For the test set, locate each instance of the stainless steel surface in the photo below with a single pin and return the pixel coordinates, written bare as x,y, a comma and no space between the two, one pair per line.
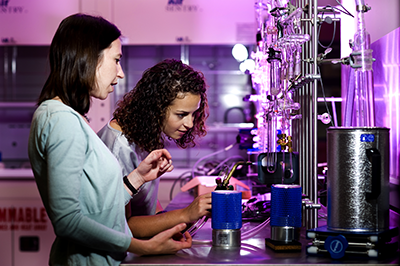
349,180
285,233
251,252
226,238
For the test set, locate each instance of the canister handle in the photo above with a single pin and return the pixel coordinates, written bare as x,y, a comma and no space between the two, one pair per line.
375,158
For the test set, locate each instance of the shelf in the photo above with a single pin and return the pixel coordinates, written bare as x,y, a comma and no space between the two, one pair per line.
17,104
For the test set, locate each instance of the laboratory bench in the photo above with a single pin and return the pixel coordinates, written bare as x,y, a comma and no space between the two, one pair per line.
252,251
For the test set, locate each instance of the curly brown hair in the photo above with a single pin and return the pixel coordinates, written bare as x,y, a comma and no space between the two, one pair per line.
142,111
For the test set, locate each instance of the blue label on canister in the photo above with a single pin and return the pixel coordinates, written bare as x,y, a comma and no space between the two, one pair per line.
226,212
367,138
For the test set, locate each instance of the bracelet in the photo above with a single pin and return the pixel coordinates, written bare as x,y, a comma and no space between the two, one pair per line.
129,185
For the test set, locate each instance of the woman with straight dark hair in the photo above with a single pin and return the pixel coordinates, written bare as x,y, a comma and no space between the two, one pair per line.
79,179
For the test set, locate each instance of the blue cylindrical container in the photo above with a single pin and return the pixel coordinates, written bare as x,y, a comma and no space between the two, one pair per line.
226,218
286,207
226,209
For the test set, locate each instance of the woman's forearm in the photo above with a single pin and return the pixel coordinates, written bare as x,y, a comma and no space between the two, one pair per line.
148,226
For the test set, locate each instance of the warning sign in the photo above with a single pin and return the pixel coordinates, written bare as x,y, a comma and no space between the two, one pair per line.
23,218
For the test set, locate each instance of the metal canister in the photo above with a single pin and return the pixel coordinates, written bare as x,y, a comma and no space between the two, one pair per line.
226,220
358,178
285,212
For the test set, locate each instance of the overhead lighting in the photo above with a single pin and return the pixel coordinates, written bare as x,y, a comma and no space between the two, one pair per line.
239,52
247,66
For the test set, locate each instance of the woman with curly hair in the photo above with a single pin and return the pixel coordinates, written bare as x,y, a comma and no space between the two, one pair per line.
168,102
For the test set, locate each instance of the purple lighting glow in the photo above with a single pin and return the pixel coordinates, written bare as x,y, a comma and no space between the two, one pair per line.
387,93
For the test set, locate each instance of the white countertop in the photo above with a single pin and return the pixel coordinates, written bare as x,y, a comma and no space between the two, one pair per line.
16,173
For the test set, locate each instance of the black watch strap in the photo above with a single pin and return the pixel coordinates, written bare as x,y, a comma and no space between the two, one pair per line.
129,185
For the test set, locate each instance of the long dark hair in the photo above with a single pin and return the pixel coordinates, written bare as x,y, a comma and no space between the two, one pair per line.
142,111
75,51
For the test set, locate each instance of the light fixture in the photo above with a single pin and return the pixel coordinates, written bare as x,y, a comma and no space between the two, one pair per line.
239,52
247,66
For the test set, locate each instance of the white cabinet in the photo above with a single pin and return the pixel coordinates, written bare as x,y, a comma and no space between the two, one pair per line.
26,232
151,22
33,22
171,22
142,22
98,8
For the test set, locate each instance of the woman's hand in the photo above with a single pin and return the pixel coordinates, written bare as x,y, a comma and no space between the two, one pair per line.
167,242
150,225
153,166
200,207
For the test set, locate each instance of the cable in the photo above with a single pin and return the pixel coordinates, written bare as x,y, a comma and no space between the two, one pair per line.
223,162
175,181
334,30
212,154
244,234
345,11
323,94
201,242
197,225
252,232
334,25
